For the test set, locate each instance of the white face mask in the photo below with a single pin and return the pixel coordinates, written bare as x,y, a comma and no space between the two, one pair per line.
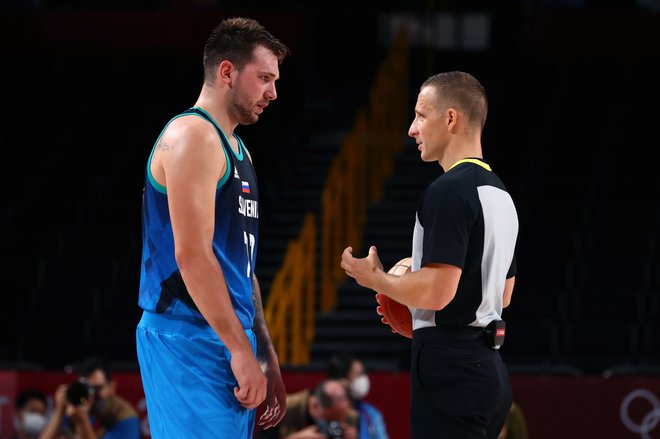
32,423
360,387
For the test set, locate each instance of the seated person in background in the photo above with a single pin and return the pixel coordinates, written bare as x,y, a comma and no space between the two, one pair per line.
351,369
30,418
322,413
104,414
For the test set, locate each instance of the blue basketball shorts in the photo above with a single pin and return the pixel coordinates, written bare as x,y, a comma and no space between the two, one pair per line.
188,382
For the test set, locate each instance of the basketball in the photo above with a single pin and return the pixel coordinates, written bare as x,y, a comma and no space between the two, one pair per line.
394,313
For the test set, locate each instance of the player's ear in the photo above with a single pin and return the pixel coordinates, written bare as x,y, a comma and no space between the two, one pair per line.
223,73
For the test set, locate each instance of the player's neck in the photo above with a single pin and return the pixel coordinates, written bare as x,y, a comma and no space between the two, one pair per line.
210,101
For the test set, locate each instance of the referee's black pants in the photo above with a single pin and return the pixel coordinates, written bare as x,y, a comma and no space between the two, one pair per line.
460,387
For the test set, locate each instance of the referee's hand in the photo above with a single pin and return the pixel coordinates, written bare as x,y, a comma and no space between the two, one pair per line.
365,271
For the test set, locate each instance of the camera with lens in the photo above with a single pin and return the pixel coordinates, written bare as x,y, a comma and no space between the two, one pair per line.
78,392
331,429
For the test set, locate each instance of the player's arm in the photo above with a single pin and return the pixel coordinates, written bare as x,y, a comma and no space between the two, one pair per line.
192,165
265,349
276,394
432,287
508,291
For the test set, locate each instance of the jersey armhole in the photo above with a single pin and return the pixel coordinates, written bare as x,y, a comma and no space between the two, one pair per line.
163,189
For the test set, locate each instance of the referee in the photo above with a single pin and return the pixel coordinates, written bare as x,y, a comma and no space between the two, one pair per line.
463,269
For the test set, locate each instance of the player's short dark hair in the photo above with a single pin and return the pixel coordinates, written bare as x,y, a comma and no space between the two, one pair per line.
26,395
235,39
462,91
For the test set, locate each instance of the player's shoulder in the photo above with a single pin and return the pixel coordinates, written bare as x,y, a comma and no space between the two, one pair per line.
190,129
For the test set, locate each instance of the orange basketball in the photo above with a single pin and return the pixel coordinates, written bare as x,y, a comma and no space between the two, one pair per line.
394,313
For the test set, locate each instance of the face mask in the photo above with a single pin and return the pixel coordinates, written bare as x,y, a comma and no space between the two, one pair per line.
32,423
360,387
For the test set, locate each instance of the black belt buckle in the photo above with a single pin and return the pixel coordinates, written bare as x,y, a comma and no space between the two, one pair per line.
495,332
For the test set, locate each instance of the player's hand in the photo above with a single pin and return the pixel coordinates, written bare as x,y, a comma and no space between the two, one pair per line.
275,397
363,270
251,389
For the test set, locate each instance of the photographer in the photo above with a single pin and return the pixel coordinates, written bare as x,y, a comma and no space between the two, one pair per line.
91,408
322,413
68,418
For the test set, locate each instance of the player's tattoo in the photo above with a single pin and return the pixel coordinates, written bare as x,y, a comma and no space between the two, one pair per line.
164,146
260,329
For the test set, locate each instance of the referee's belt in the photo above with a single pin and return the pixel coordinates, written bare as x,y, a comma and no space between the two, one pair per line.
493,334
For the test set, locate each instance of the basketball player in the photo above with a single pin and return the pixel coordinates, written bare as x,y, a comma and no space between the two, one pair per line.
203,319
463,269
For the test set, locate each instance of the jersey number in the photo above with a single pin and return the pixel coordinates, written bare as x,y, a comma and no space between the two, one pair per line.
249,248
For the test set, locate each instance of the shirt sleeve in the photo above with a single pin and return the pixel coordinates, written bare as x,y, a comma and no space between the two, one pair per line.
447,214
513,270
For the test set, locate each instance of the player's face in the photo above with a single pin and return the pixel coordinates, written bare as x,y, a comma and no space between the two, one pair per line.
254,87
429,128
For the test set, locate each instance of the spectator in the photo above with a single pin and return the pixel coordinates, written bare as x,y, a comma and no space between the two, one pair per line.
31,410
103,414
321,413
371,424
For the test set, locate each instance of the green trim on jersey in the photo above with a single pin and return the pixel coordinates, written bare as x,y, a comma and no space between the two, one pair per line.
239,154
162,189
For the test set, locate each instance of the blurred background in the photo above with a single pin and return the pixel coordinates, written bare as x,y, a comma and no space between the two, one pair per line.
572,128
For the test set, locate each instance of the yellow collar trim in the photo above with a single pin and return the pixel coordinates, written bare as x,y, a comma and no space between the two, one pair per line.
475,161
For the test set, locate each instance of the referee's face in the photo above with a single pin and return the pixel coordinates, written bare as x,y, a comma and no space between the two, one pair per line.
428,128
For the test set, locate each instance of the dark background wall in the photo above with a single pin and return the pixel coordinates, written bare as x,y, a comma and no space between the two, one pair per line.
87,86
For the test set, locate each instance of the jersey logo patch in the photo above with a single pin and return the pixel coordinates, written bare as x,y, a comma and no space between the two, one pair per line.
236,173
245,187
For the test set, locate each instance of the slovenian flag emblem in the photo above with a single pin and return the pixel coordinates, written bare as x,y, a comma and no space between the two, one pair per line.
245,187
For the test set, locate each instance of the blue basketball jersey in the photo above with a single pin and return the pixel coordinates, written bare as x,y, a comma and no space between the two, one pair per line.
162,289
